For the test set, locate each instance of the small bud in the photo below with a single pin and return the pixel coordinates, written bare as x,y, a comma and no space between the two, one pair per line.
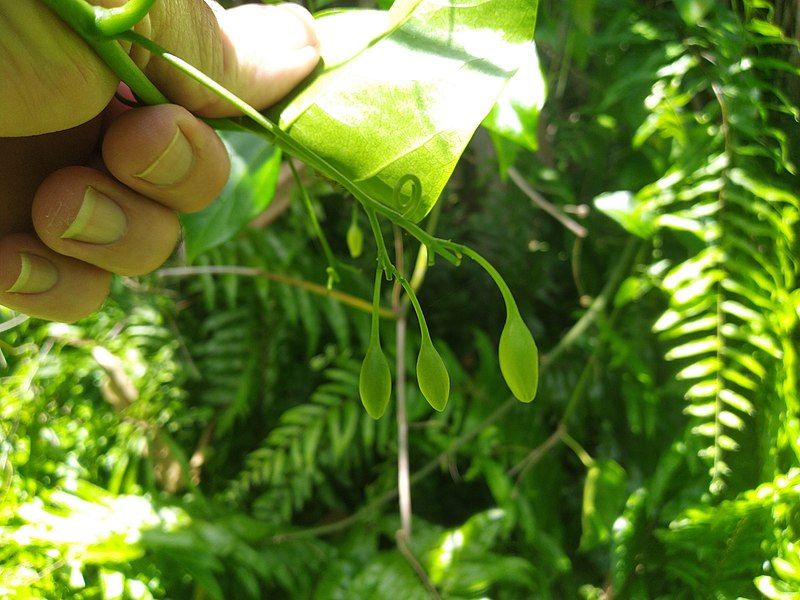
519,358
375,381
355,239
434,382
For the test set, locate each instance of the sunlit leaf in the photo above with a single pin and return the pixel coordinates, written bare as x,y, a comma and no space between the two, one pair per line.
515,116
604,494
626,210
402,92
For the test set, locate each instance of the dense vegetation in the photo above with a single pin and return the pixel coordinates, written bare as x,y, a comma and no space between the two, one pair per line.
201,436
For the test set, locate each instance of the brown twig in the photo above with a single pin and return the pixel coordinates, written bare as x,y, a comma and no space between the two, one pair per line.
403,469
547,206
309,286
408,554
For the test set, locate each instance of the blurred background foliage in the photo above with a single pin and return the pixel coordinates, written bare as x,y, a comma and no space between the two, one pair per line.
201,436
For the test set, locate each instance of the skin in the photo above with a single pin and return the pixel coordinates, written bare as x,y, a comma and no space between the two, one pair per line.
61,131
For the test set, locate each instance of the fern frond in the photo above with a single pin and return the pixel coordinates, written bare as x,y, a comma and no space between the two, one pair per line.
727,322
727,547
330,431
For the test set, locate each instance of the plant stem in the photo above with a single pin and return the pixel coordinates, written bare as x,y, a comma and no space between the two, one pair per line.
80,15
375,329
505,291
282,139
423,325
422,262
498,413
405,550
314,288
114,21
403,468
384,261
547,206
333,274
12,323
579,451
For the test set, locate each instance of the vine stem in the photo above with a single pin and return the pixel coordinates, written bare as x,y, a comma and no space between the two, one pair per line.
282,139
81,16
114,21
333,274
505,291
561,433
384,262
498,413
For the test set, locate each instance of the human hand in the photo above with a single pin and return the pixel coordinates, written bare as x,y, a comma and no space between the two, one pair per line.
66,227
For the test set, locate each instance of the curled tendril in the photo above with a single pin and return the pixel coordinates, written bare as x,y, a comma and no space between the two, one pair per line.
406,204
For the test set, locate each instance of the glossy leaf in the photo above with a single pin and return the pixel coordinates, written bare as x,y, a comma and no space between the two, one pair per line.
515,116
255,165
402,92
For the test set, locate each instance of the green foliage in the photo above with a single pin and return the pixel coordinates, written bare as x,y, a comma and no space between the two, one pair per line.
255,165
202,435
406,90
720,198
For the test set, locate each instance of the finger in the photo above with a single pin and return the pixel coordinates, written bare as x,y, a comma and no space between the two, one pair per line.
85,214
41,283
26,161
258,52
166,154
51,79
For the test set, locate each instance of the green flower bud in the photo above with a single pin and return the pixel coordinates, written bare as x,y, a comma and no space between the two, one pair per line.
355,239
375,381
434,382
519,358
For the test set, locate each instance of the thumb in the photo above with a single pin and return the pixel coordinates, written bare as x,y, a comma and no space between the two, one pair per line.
259,52
51,80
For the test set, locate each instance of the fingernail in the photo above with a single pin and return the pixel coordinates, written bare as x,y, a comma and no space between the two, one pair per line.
173,164
100,220
36,275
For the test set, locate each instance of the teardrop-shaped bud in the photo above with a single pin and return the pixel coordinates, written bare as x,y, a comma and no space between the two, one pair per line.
375,382
355,239
432,376
519,358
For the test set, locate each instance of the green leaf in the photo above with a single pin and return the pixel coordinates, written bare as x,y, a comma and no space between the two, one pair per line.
604,495
515,116
770,587
255,165
694,11
703,346
402,92
627,211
